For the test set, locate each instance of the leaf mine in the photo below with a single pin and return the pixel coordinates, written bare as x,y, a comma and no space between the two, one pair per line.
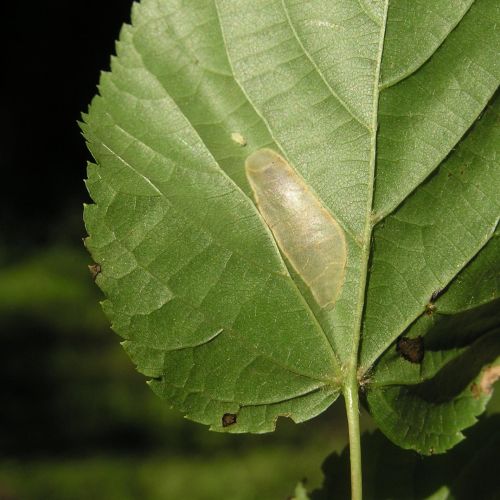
306,233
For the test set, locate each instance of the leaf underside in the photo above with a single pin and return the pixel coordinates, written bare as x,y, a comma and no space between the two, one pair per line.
390,115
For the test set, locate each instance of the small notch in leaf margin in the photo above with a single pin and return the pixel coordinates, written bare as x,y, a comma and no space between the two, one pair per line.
411,349
95,270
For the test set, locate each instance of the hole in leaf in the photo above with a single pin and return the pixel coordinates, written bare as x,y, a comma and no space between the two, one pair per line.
228,419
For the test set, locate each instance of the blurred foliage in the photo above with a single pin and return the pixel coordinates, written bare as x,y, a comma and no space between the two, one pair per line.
257,474
468,471
51,287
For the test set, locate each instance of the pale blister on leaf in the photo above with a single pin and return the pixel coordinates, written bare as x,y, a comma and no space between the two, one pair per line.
307,234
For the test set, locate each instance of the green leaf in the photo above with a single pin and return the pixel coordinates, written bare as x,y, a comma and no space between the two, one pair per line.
468,471
389,115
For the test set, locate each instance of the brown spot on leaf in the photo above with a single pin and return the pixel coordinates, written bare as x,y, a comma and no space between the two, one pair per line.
474,388
94,269
411,349
228,419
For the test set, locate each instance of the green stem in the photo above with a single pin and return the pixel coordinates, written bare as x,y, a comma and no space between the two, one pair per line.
352,410
351,394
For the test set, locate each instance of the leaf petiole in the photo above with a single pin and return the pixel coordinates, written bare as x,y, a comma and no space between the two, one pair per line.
352,409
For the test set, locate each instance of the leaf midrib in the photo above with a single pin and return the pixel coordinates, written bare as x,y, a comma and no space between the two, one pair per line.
366,254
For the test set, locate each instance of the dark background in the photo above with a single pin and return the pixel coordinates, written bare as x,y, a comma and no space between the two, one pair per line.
53,54
76,420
